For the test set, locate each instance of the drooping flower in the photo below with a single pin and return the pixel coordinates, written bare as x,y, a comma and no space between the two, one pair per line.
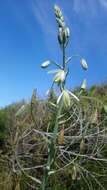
65,97
60,76
45,64
84,64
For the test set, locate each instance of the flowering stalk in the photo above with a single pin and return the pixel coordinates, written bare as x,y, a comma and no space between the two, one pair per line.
64,99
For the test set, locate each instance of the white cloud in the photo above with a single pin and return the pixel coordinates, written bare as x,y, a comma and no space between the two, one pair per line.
43,14
87,7
103,3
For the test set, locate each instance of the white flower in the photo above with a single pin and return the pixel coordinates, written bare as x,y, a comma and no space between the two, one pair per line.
45,64
60,76
84,64
65,95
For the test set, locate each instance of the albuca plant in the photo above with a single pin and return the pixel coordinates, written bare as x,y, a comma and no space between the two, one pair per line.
65,98
59,143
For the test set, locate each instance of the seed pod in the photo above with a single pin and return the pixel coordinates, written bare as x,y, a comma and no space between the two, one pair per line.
84,64
84,84
82,146
61,137
74,173
60,76
45,64
94,118
33,98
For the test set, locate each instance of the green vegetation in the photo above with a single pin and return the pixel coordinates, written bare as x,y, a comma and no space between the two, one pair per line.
22,147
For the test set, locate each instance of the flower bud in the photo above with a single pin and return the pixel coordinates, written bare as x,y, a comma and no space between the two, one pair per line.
84,64
82,146
60,76
60,36
60,22
94,117
45,64
63,35
67,32
84,85
61,137
74,173
33,98
58,12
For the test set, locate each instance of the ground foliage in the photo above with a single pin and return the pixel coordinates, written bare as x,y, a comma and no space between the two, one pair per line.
81,143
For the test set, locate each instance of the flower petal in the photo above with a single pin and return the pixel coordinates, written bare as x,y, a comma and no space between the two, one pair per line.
73,95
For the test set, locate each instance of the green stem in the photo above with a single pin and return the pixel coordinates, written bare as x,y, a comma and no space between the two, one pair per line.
52,146
63,48
52,149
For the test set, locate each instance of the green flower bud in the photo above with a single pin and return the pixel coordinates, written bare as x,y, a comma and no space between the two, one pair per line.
63,35
62,18
60,36
58,12
82,146
67,32
94,117
74,173
60,23
84,84
60,76
84,64
45,64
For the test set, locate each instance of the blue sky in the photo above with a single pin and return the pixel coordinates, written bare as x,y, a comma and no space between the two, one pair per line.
28,36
